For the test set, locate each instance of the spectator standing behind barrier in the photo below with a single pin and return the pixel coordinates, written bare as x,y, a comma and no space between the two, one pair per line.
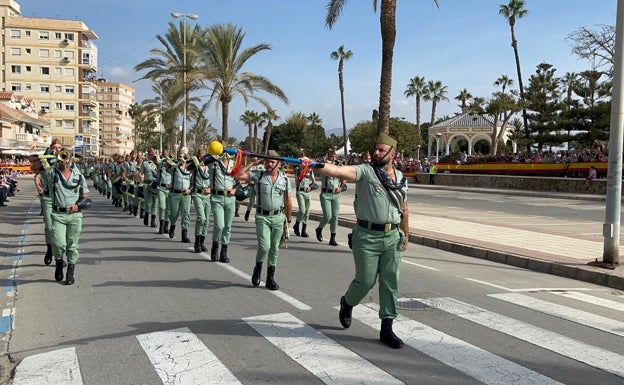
591,175
379,238
433,171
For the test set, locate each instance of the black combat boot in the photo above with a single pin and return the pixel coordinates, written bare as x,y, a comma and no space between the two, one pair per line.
201,243
142,214
387,336
161,229
196,246
257,271
332,240
125,206
58,272
171,231
114,202
304,233
130,209
145,218
135,210
69,279
247,215
214,250
296,229
270,281
236,214
319,234
153,223
185,238
166,227
350,240
223,258
47,259
345,313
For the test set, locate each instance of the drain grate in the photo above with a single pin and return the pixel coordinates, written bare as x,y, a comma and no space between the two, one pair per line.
412,304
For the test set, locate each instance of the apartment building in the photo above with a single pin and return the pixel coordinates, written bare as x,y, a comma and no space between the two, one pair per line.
116,125
53,62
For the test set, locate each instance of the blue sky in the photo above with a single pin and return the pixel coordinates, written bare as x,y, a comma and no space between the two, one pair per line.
464,44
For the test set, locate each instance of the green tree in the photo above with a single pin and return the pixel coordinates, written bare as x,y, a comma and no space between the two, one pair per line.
341,55
222,63
416,88
269,116
503,82
435,92
464,96
513,11
543,100
249,118
387,22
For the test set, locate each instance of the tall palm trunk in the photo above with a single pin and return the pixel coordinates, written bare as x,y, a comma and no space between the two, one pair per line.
388,37
255,138
514,44
225,111
342,108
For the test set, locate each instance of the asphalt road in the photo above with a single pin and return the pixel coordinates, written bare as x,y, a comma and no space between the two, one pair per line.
146,309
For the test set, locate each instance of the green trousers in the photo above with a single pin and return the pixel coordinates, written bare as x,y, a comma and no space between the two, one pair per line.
202,211
163,209
150,199
269,232
66,229
330,204
179,205
222,217
46,205
303,202
376,254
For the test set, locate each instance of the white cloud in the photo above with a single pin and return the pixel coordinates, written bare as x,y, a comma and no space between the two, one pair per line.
119,72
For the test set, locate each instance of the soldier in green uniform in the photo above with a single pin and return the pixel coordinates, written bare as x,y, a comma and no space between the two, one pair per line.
69,187
164,185
180,199
273,207
303,202
222,201
115,179
331,190
201,202
379,238
150,175
252,191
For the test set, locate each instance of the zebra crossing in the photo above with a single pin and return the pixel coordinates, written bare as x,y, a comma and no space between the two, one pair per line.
181,357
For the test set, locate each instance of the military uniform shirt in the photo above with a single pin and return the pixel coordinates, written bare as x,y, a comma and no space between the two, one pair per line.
149,171
307,180
269,195
164,175
67,192
181,179
201,178
374,203
330,183
221,180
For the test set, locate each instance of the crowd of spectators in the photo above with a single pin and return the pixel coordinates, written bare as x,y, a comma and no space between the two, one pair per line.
8,185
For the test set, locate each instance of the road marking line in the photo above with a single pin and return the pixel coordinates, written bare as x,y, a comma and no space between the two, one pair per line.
180,358
331,362
58,367
460,355
529,289
585,353
593,300
422,266
581,317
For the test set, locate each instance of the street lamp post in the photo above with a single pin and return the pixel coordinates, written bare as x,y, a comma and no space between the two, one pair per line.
438,136
176,15
418,153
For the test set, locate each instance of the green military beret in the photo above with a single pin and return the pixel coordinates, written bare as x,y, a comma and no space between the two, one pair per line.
386,139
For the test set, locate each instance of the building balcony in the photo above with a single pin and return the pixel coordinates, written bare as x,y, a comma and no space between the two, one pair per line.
29,139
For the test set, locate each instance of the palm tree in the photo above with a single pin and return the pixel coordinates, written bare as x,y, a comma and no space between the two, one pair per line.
168,62
463,97
416,87
513,11
223,60
435,92
341,55
249,117
314,119
503,81
570,82
387,22
270,116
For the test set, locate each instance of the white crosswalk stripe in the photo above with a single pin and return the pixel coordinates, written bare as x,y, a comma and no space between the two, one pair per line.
180,357
582,352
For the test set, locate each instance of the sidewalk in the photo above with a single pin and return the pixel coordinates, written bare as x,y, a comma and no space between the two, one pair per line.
546,244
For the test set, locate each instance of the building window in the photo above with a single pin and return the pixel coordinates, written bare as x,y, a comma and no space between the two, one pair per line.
28,68
16,34
69,54
45,70
27,33
69,72
16,87
69,89
44,88
45,107
27,87
69,36
58,71
58,123
69,107
27,50
57,35
44,35
16,69
58,89
58,106
16,52
69,123
44,53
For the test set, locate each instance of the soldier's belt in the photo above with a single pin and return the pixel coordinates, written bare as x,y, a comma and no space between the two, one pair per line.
269,213
330,190
385,227
201,191
60,209
219,192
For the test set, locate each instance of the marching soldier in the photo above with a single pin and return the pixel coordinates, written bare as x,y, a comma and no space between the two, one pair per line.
150,175
116,176
69,188
252,190
201,202
222,200
274,207
303,201
180,198
164,185
331,189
